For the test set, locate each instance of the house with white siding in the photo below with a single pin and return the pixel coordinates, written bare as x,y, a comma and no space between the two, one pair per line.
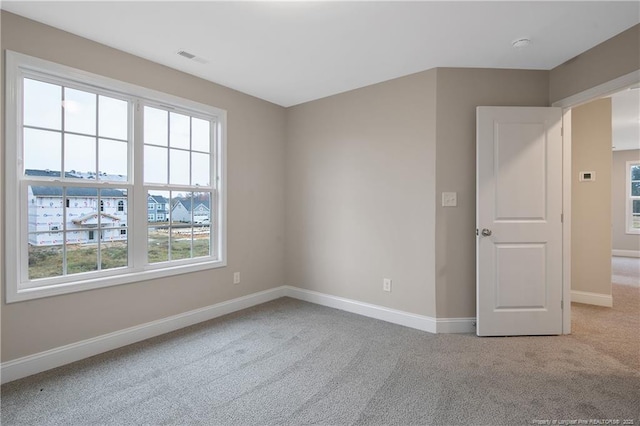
76,214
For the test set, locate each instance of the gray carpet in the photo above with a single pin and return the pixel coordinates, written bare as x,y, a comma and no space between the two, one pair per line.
625,270
293,363
614,332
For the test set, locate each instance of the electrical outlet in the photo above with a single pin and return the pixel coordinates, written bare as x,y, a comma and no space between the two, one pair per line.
386,284
236,277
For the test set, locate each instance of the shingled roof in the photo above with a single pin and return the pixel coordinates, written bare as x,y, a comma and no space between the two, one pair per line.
187,204
74,191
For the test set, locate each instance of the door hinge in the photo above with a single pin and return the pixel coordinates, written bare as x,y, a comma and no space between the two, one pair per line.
562,304
561,217
561,131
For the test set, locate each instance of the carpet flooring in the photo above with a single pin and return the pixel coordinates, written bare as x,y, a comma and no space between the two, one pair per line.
615,331
289,362
625,270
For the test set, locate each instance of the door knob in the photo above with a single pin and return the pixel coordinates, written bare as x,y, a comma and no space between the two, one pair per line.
486,232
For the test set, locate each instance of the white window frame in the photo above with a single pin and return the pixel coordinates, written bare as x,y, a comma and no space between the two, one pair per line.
17,66
630,198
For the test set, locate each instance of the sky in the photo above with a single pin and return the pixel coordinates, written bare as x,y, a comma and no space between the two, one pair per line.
177,147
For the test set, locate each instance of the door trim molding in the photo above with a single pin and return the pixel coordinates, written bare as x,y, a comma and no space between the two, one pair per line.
566,221
599,91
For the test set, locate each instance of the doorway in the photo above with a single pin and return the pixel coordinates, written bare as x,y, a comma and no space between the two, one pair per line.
625,189
608,321
606,89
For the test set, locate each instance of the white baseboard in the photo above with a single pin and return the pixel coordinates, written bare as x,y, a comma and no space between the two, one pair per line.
625,253
455,325
42,361
597,299
32,364
407,319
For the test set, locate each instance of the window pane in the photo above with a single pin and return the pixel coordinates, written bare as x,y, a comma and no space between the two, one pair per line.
636,206
181,208
202,220
635,189
112,118
201,208
42,151
635,172
79,154
181,242
81,207
158,244
201,244
180,131
83,257
158,206
179,172
156,126
112,160
79,111
113,223
200,135
44,261
42,104
45,211
114,255
110,199
155,164
200,169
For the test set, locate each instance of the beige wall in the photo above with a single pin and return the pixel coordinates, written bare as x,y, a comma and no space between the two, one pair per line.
459,92
620,239
591,201
256,133
611,59
360,189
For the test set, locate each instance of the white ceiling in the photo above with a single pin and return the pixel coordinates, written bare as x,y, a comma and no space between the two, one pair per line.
293,52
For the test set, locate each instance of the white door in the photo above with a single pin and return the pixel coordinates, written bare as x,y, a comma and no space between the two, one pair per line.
518,220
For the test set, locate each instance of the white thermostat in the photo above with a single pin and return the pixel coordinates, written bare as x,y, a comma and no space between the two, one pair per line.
587,176
449,199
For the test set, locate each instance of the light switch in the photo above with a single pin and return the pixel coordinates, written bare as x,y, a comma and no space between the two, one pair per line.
449,199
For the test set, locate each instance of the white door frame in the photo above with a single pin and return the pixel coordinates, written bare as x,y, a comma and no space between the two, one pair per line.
599,91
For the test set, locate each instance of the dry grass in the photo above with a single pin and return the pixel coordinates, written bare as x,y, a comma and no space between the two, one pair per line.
46,262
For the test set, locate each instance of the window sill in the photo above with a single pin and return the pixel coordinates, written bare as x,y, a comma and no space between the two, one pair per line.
102,282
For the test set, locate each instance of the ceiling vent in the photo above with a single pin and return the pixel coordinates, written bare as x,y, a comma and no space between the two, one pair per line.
191,56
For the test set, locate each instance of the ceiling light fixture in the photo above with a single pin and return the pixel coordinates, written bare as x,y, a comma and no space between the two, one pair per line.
521,43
